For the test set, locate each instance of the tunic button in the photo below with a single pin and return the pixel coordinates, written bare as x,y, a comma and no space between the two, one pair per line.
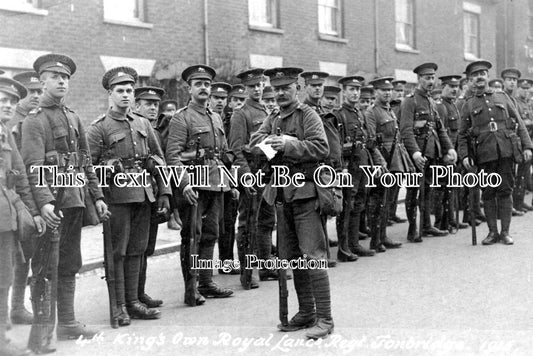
135,143
72,141
491,119
136,155
490,109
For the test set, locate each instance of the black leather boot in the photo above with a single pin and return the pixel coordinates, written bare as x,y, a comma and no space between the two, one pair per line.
491,214
306,316
505,214
321,293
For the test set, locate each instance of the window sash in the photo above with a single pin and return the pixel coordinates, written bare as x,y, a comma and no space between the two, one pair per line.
405,22
329,19
123,10
263,13
471,33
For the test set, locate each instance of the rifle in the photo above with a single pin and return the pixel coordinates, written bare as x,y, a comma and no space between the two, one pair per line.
282,273
44,284
190,283
383,205
249,237
109,267
471,196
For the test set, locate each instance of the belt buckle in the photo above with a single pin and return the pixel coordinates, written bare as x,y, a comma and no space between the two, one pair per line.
493,126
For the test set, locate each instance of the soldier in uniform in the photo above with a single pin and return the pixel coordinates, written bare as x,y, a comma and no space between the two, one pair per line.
269,99
381,116
197,121
128,138
168,107
366,100
11,91
218,102
444,201
427,142
358,140
330,99
314,89
147,101
244,122
299,226
18,313
490,121
398,94
510,78
53,135
523,171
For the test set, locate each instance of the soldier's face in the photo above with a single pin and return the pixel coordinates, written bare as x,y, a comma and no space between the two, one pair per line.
121,95
509,83
55,84
384,95
351,93
255,91
270,104
480,79
364,103
450,91
398,92
8,103
427,82
497,86
236,103
147,108
32,100
217,103
522,93
169,109
286,94
200,89
329,102
314,91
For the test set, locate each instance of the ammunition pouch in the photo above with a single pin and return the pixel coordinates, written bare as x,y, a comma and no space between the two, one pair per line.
424,130
151,164
78,160
25,224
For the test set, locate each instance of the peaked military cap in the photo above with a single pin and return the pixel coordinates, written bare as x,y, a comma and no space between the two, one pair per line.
220,89
477,66
12,87
353,80
426,69
436,91
29,79
525,83
384,83
149,93
331,91
252,76
119,75
238,91
283,75
463,81
397,82
268,93
452,79
314,77
198,71
511,73
164,104
493,81
53,62
367,92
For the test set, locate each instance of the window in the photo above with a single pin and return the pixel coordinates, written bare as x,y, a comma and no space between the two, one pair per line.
27,6
405,24
471,23
329,17
263,13
124,10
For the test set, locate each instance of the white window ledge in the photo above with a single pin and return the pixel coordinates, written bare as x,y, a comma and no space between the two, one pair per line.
132,23
277,31
330,38
406,48
471,57
23,9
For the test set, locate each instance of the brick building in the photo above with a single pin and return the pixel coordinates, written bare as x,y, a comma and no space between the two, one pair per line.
160,37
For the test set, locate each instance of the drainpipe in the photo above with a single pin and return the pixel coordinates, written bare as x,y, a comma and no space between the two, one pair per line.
206,37
376,36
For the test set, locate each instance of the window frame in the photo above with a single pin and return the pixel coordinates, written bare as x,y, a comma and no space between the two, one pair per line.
28,7
339,19
274,16
139,21
474,11
410,45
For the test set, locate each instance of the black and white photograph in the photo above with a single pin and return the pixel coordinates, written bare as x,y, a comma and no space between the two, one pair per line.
253,177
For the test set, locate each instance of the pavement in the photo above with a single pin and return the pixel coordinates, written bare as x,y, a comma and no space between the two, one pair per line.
440,297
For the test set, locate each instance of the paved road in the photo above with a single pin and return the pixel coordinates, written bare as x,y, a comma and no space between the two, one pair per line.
441,297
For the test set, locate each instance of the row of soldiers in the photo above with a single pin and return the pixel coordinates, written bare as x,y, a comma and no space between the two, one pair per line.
394,134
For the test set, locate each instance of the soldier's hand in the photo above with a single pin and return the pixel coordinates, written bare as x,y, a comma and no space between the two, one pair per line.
234,194
277,143
163,204
420,160
190,195
40,224
101,209
51,219
468,164
527,155
451,157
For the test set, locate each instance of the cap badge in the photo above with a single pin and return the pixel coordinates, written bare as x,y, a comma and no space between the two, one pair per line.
314,76
120,74
201,69
34,80
59,64
251,75
151,92
280,74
